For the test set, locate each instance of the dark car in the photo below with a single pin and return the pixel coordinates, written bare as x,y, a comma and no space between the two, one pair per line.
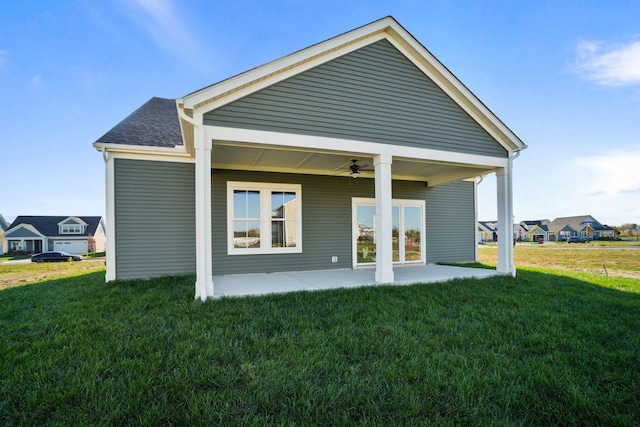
577,240
55,257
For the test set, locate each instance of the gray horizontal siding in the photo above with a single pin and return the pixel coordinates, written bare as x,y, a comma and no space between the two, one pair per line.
155,218
21,233
373,94
451,223
326,221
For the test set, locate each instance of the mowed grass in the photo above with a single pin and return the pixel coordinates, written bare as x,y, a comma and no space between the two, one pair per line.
23,274
545,348
622,259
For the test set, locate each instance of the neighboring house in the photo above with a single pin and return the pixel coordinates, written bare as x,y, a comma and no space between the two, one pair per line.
536,229
201,183
487,231
579,226
520,233
4,226
72,234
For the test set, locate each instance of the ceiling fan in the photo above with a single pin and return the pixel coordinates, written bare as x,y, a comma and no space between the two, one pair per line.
356,169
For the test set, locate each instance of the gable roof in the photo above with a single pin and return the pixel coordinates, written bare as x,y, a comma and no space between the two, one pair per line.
28,231
234,88
48,225
154,124
575,223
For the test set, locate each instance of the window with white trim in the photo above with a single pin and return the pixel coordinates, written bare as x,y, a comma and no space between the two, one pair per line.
71,229
264,218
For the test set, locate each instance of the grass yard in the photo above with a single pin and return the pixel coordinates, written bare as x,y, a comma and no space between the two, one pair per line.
545,348
23,274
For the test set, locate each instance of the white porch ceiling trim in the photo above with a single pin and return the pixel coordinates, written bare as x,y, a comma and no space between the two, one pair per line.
338,145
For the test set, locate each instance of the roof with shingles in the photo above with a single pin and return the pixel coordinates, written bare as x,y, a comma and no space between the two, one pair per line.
154,124
48,225
575,223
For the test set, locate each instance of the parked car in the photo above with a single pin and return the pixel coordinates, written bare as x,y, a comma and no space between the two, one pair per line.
55,257
578,240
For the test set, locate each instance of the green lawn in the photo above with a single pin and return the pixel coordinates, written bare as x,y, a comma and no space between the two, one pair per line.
545,348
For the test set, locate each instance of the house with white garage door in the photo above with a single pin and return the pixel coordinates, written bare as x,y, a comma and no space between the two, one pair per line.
72,234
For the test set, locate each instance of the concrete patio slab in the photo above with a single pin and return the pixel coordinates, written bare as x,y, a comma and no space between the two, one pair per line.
272,283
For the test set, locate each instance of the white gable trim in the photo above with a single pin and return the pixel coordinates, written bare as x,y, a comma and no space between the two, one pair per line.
259,78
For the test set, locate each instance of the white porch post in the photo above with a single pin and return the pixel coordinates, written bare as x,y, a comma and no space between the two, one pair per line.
384,250
111,217
204,268
505,220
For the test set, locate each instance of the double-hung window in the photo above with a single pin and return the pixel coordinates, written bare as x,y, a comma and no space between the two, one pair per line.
264,218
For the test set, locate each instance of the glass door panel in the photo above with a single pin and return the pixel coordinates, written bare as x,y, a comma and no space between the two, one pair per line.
395,233
412,233
366,234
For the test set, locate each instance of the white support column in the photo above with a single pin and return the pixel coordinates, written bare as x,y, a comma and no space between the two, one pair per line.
204,258
111,217
384,223
505,221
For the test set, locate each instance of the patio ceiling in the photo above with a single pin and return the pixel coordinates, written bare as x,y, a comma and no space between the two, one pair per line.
232,155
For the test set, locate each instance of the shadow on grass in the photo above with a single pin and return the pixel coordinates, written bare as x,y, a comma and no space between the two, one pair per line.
537,349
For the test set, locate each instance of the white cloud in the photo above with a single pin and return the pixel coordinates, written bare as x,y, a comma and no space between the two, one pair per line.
610,64
613,173
161,20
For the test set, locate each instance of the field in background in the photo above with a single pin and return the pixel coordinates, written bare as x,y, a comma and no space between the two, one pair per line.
605,258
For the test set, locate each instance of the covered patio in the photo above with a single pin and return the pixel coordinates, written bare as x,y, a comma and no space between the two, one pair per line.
238,285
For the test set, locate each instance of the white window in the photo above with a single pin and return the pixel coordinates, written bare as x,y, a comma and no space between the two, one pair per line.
71,229
264,218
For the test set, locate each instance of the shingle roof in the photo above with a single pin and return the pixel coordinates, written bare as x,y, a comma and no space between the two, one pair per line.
576,223
48,225
154,124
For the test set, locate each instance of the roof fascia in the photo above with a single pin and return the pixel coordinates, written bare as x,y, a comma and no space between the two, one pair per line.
178,151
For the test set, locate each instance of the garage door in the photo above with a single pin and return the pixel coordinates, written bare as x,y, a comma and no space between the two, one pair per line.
71,246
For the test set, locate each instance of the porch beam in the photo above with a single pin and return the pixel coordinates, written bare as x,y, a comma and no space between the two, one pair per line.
384,223
504,186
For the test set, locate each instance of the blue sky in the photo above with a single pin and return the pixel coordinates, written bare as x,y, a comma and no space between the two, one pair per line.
563,75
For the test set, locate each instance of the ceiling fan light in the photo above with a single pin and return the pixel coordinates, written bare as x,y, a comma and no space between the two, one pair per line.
354,174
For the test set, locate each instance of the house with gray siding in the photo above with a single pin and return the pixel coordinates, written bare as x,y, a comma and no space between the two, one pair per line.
362,151
71,234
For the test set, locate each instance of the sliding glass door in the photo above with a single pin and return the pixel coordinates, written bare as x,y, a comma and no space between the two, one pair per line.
408,223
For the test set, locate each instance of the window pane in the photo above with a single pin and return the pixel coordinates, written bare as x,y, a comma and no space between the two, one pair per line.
283,204
283,234
246,234
246,204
